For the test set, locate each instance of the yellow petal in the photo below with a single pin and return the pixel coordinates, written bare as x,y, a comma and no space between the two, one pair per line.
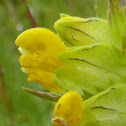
40,48
68,110
45,79
40,60
41,39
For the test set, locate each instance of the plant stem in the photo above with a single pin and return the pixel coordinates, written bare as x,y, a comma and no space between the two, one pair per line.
30,16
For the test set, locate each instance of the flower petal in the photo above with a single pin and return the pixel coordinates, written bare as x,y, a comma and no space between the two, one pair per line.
68,110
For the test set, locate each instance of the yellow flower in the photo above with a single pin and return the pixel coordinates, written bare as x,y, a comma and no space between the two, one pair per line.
40,48
68,110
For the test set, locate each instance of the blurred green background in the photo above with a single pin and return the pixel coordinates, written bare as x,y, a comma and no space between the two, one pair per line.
17,107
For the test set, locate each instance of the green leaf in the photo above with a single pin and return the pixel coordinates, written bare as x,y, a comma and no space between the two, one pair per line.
75,31
48,96
91,69
107,108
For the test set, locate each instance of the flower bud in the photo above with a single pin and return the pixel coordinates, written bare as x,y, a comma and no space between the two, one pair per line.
68,110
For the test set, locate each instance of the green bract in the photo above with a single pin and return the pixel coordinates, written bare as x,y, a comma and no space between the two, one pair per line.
108,108
96,58
92,69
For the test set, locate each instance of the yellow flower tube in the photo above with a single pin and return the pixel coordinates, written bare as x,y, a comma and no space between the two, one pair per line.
40,48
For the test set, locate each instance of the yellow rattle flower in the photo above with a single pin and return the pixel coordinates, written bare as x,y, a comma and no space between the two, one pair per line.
68,110
40,48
